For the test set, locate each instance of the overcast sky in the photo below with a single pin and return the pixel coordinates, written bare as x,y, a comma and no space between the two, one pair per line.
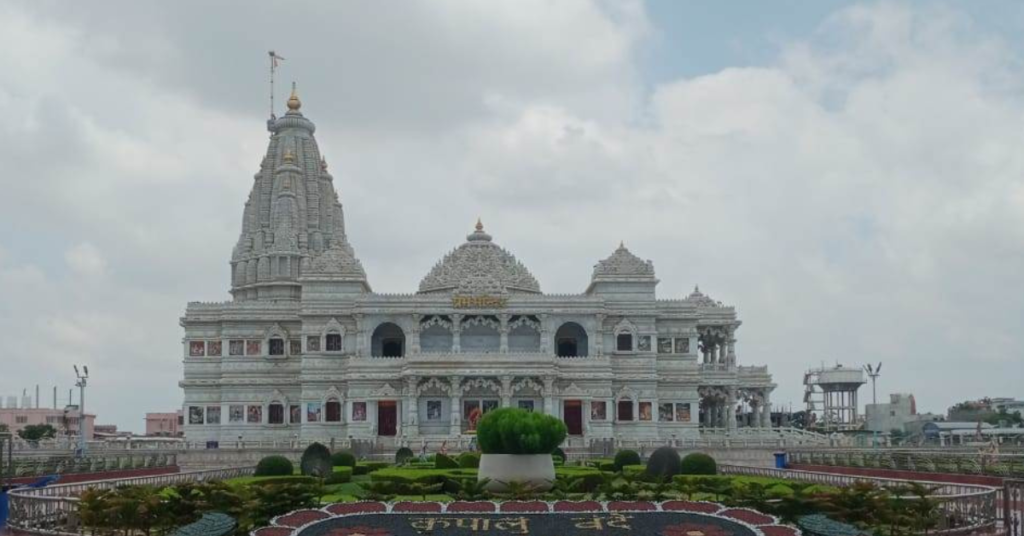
849,176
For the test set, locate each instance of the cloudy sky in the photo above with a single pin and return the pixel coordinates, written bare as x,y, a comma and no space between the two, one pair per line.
850,176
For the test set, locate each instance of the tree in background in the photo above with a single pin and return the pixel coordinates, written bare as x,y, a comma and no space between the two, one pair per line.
35,432
3,428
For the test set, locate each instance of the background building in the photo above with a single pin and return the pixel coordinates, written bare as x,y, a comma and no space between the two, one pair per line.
165,424
899,414
66,421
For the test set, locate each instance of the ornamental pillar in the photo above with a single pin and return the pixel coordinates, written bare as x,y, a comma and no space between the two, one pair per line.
456,333
549,391
731,359
412,405
730,410
456,394
503,331
506,391
599,335
766,411
545,339
414,334
359,334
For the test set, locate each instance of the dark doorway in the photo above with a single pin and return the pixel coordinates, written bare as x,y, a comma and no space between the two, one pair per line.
625,410
567,348
391,348
387,418
573,413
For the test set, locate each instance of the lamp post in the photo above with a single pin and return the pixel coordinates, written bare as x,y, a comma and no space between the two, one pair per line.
873,373
81,383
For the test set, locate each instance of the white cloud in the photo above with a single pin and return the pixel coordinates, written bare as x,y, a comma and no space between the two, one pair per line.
858,199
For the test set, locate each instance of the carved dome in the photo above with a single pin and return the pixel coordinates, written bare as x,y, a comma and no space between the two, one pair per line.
479,267
623,264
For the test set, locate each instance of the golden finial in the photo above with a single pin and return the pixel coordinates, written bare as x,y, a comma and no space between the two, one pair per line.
622,244
293,102
479,225
289,157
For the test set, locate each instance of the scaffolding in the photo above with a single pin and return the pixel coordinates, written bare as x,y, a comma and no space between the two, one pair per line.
830,395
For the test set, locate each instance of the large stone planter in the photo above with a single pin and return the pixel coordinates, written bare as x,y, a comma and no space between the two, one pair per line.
538,470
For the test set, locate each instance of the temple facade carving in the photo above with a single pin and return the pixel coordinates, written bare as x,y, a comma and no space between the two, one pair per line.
307,349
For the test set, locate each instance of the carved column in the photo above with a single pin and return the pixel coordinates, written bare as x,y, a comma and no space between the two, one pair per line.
549,393
359,334
412,406
414,334
506,391
731,359
456,394
503,331
545,337
730,409
456,333
599,335
766,411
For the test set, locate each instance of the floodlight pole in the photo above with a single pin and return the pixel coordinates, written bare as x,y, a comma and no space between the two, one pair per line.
873,373
81,383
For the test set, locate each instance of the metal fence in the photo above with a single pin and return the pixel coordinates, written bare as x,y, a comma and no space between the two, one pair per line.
54,509
958,461
965,508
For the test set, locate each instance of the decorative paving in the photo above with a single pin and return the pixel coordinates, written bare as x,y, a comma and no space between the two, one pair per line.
562,518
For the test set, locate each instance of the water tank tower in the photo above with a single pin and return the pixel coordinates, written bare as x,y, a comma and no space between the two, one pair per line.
830,395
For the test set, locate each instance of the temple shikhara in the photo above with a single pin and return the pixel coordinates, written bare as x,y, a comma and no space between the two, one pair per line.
306,349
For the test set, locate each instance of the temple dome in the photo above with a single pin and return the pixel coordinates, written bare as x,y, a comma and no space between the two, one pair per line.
479,267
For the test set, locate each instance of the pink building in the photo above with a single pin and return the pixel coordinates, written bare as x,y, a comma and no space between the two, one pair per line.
65,421
164,424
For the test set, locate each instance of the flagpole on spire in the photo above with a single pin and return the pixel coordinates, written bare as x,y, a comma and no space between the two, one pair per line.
274,59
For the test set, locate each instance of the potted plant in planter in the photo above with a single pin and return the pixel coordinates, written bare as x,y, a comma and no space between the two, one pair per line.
516,446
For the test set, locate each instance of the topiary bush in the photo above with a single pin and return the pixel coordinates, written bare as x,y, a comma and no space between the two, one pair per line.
316,461
343,458
469,460
559,453
664,463
444,461
698,463
274,466
403,456
517,431
626,457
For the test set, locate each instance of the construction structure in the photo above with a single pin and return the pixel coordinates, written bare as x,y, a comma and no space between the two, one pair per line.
830,395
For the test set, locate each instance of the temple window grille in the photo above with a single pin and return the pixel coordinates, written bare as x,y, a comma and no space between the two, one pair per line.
332,411
624,342
625,410
333,342
276,346
275,413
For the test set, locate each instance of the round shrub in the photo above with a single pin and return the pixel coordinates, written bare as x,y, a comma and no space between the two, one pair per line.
626,457
469,460
343,458
274,466
698,463
664,463
403,455
316,461
444,461
517,431
559,453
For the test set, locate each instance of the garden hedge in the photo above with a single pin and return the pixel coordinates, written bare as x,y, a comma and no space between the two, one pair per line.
274,466
444,461
698,463
469,460
626,457
343,458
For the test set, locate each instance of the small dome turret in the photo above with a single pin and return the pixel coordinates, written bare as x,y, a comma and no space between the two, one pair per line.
479,267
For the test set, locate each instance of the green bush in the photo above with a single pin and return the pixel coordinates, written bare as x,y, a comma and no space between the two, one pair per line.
274,466
626,457
469,460
403,476
698,463
316,461
664,463
517,431
340,475
589,477
403,456
343,458
276,480
559,453
444,461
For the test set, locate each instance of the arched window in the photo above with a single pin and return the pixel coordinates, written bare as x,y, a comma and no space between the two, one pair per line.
571,340
524,335
388,340
480,334
275,413
332,410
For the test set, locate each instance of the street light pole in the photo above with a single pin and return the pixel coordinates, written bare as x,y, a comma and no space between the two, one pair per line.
873,373
81,383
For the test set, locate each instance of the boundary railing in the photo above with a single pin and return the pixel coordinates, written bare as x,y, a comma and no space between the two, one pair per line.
956,461
54,509
965,508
